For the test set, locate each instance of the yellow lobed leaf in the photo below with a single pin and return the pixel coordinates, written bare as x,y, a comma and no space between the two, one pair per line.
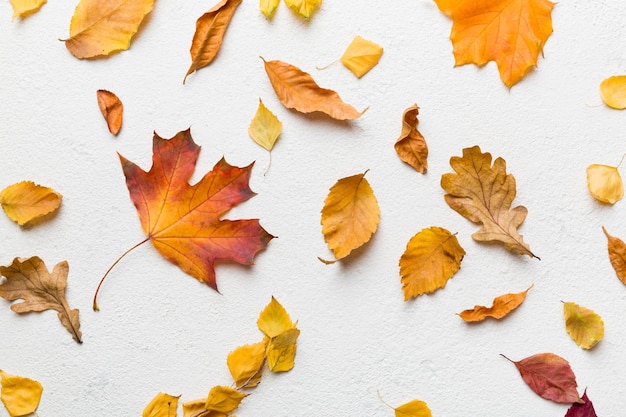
24,202
281,351
431,258
19,395
617,255
414,408
350,215
584,326
268,7
112,109
265,127
245,362
224,399
303,7
411,146
605,183
274,319
22,8
361,56
613,91
502,306
101,27
162,405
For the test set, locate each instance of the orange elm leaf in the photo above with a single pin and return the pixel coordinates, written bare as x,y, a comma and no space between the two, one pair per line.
502,306
510,32
411,146
27,203
111,108
617,255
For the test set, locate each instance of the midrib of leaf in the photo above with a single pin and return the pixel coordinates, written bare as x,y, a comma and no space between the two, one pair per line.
103,17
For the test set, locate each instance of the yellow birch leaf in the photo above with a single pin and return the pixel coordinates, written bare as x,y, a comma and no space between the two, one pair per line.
19,395
268,7
162,405
25,202
303,7
245,362
274,319
502,305
605,183
265,127
194,408
617,255
613,91
350,215
223,399
281,351
101,27
414,408
584,326
22,8
361,56
411,146
210,30
431,258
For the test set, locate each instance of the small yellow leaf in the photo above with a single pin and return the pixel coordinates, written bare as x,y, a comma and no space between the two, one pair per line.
605,183
613,91
268,7
223,399
502,305
245,364
274,319
584,326
303,7
361,56
350,215
617,255
265,127
413,408
26,201
162,405
19,395
431,258
281,351
22,8
194,408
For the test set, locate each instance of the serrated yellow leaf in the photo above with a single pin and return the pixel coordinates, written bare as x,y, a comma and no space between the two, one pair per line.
19,395
223,399
605,183
162,405
413,408
265,127
268,7
431,258
303,7
361,56
22,8
245,362
274,319
584,326
26,201
281,351
613,91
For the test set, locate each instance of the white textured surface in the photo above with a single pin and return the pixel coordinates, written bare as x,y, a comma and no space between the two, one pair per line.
160,330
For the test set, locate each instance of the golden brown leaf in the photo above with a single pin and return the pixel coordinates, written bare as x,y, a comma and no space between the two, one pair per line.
502,305
162,405
224,399
303,7
274,319
245,362
431,258
101,27
265,127
605,183
210,30
613,91
584,326
617,255
411,146
30,281
19,395
414,408
361,56
281,351
483,194
26,202
297,90
112,108
268,7
23,8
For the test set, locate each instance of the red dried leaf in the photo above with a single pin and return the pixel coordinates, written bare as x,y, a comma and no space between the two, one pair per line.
582,410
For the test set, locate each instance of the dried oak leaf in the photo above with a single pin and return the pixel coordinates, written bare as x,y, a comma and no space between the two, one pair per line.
617,255
350,215
23,8
19,395
411,146
414,408
605,183
550,376
584,326
510,32
162,405
101,27
26,202
210,30
268,7
245,363
613,91
304,8
30,281
502,305
582,410
431,258
111,108
361,56
483,194
297,90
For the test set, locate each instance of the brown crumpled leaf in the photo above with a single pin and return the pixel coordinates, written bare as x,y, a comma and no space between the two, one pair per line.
617,255
411,145
111,108
29,280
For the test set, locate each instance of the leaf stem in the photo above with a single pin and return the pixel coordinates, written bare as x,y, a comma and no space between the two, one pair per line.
507,358
620,161
383,401
95,296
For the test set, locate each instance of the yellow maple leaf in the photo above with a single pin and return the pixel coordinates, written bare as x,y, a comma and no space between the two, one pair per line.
23,8
26,202
245,362
162,405
431,257
223,399
605,183
265,127
584,326
361,56
274,319
281,351
613,91
303,7
19,395
268,7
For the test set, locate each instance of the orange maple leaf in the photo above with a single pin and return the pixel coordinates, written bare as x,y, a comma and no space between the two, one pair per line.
510,32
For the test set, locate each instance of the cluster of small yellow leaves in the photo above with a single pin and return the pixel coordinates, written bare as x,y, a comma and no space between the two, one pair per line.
19,395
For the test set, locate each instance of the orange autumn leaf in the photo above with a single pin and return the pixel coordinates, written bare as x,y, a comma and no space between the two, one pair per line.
101,27
613,91
510,32
27,203
411,146
617,255
350,215
23,8
502,305
297,90
111,108
210,30
584,326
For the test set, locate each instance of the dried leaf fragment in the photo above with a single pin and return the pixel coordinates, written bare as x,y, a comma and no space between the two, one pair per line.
162,405
613,91
617,255
19,395
502,306
23,8
30,281
414,408
431,258
483,194
245,362
210,30
26,202
111,108
303,8
268,7
265,128
411,146
582,410
297,90
605,183
101,27
584,326
361,56
350,215
223,399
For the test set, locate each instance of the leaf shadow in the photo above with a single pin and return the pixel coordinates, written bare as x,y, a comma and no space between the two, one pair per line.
321,118
355,257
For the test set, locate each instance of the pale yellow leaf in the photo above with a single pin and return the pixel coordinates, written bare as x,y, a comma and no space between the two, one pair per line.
25,202
19,395
265,127
613,91
274,319
268,7
361,56
224,399
281,351
414,408
22,8
303,7
605,183
584,326
162,405
245,362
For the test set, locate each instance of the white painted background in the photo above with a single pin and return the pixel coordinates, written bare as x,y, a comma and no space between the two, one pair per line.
161,330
